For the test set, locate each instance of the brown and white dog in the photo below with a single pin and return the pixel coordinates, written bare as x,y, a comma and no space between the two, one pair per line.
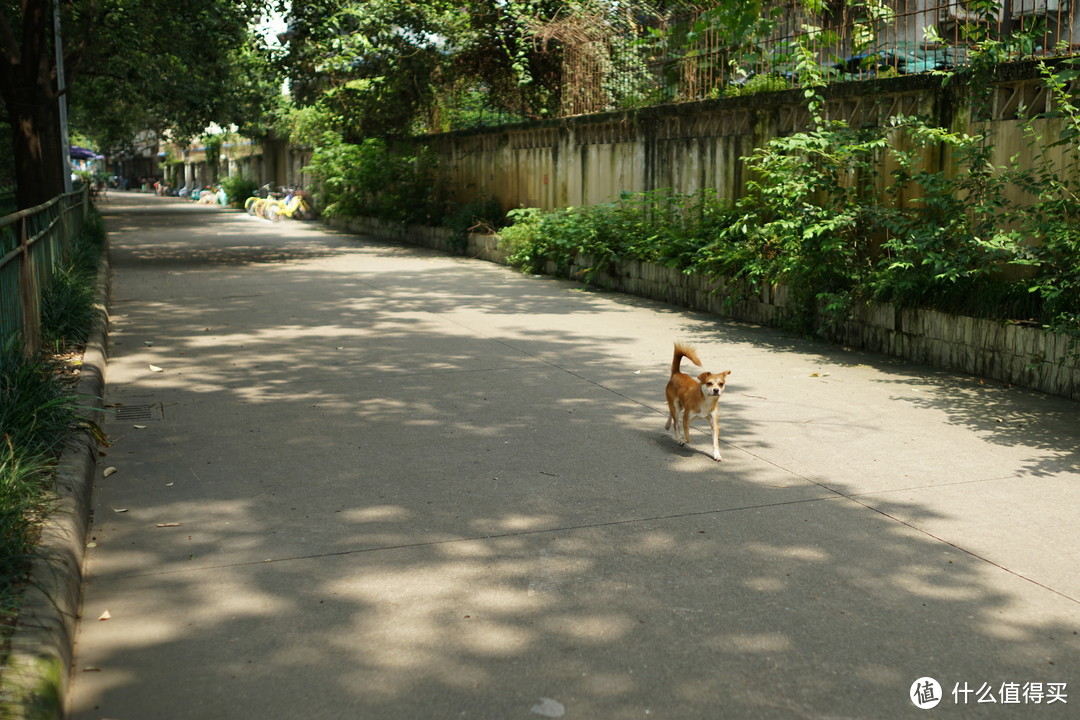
689,397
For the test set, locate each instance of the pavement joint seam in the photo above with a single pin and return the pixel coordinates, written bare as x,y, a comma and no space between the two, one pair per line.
854,498
877,493
964,550
491,536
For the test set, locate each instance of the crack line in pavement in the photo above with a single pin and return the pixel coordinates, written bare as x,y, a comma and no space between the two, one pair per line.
935,485
964,550
854,498
493,536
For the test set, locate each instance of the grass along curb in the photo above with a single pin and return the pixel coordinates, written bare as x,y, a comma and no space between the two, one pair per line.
35,677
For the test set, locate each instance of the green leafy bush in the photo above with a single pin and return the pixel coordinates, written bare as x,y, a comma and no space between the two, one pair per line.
238,188
658,226
368,180
818,217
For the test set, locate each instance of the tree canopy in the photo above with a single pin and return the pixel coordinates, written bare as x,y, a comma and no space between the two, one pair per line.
391,67
381,67
130,65
176,66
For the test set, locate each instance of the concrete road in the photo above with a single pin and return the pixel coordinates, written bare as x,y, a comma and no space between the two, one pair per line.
356,479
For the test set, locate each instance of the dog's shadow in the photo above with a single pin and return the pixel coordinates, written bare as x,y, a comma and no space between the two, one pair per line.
664,442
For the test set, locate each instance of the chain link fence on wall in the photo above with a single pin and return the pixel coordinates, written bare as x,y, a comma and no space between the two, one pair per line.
621,55
853,41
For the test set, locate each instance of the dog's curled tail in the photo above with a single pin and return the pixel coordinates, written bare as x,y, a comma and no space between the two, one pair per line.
684,351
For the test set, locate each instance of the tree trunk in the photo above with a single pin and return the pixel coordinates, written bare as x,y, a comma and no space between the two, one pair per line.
27,69
35,133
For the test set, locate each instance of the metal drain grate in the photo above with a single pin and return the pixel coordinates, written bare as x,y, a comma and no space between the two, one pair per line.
128,413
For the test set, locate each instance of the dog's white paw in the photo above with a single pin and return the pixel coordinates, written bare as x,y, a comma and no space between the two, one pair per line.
716,457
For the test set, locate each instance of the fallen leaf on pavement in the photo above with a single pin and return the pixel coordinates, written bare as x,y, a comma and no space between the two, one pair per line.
108,471
547,707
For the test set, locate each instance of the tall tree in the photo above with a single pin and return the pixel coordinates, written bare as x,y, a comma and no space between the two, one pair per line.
28,89
391,67
130,65
383,67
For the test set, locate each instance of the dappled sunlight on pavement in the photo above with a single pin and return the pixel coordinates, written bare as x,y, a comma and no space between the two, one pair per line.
367,480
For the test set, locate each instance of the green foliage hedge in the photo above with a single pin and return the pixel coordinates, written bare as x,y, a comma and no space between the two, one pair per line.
368,180
69,302
817,218
817,215
238,188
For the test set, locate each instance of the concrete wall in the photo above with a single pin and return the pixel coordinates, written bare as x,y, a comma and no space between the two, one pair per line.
592,159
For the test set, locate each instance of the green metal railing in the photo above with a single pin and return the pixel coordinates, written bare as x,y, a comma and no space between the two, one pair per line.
32,243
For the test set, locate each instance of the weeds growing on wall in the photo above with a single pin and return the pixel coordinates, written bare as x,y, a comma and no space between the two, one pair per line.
818,217
1053,219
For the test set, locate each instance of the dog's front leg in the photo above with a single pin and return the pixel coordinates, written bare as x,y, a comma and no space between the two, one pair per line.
714,417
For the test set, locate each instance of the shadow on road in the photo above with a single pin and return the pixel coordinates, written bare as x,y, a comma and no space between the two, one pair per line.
410,486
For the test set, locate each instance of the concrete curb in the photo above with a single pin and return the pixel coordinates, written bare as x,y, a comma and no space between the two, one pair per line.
35,679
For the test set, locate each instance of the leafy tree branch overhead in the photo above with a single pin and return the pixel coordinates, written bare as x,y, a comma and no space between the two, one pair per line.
370,68
130,65
389,67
